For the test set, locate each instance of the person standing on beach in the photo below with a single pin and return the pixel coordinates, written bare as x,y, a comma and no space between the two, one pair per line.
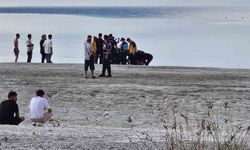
9,111
113,49
89,57
94,48
48,49
16,47
43,38
30,46
39,109
99,49
106,57
123,51
132,51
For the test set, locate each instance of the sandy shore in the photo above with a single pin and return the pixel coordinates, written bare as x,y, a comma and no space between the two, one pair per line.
93,113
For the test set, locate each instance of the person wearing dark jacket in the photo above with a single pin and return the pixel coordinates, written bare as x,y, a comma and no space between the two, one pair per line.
9,111
43,38
143,58
147,58
113,45
99,49
106,57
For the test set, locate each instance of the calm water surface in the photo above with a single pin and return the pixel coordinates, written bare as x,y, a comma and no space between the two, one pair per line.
179,36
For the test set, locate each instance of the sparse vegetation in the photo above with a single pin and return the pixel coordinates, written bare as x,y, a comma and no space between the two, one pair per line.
211,132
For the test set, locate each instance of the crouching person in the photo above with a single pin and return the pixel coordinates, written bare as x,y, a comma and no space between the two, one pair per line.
9,111
39,109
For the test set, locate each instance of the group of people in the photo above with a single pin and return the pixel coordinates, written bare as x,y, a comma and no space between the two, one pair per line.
90,57
39,110
121,51
110,51
46,48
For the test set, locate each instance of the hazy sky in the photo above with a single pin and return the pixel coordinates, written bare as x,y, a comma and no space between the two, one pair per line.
124,2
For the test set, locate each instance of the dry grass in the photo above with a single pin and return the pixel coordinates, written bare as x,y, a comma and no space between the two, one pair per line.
210,132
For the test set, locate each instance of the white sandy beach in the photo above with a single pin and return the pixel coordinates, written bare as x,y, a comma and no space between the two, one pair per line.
93,113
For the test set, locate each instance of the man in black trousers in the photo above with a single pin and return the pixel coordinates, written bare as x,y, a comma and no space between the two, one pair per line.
43,38
99,49
30,47
106,57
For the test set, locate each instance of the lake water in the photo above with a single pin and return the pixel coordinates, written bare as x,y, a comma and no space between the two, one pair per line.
175,36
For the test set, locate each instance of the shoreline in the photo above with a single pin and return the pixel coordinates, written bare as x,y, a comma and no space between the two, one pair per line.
133,66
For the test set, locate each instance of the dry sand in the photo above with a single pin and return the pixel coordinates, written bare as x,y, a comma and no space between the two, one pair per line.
93,113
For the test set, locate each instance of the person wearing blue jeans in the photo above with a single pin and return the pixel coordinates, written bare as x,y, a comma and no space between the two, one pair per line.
48,49
48,58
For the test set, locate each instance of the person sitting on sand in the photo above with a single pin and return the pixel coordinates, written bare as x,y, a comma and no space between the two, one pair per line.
89,57
39,109
9,111
16,47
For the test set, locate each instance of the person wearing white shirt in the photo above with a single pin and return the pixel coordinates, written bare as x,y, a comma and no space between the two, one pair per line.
30,46
48,49
39,109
